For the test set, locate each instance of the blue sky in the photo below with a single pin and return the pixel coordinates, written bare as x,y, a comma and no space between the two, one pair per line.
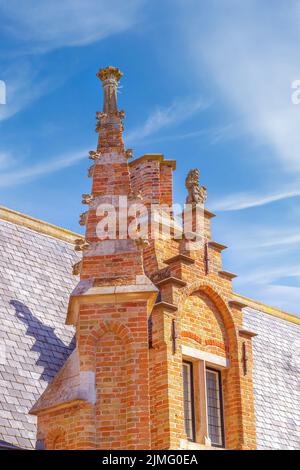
207,83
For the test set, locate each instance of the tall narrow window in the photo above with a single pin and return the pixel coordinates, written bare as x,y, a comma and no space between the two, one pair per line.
214,407
188,397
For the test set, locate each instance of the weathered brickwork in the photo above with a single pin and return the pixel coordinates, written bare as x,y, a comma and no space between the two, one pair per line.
110,308
140,309
202,323
126,410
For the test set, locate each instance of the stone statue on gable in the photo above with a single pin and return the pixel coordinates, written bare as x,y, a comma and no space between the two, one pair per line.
196,194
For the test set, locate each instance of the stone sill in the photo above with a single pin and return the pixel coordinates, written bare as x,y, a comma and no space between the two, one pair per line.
188,445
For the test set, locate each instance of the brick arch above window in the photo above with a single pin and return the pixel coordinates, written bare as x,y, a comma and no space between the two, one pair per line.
216,296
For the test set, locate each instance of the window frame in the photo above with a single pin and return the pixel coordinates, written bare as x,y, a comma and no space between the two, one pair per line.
202,360
193,415
218,372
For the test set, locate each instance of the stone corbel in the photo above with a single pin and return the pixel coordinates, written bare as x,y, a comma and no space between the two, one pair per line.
100,115
93,155
87,198
161,275
77,268
121,114
129,153
81,244
135,195
91,171
83,218
141,242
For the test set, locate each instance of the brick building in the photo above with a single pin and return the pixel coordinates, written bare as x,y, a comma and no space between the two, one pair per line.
145,345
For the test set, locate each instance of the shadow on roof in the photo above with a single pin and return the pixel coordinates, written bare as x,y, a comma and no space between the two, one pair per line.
53,353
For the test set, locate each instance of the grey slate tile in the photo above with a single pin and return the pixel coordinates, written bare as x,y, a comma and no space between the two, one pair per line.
35,282
276,378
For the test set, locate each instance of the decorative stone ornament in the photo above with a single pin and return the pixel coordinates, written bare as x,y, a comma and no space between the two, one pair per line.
87,198
129,153
142,242
81,244
135,196
110,77
83,218
93,155
109,73
161,275
100,115
77,268
196,194
121,114
90,171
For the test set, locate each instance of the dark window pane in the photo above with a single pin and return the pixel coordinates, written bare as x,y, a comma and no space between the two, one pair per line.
189,420
214,407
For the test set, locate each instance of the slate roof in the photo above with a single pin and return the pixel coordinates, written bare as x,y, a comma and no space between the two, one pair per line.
276,380
35,282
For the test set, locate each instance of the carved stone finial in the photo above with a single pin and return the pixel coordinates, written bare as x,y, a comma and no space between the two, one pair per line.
109,72
87,198
109,77
83,218
81,244
196,194
77,268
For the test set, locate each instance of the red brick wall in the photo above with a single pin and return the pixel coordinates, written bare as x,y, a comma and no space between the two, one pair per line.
139,392
111,382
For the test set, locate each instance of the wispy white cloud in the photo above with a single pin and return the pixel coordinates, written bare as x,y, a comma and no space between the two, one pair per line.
253,67
6,161
240,201
213,135
257,241
267,275
282,240
38,27
32,172
23,86
277,285
164,117
161,118
265,255
285,297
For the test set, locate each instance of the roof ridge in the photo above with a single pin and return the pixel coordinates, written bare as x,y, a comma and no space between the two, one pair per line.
38,225
261,306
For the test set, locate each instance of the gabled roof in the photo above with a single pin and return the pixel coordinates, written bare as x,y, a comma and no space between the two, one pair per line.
36,279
